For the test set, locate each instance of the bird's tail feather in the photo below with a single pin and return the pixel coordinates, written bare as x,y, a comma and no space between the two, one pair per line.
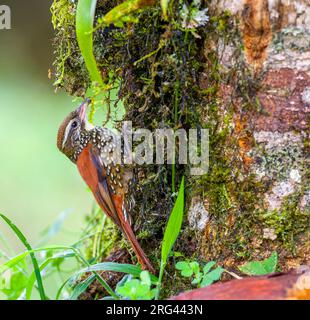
142,258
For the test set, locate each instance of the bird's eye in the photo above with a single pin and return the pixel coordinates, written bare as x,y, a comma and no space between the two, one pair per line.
74,124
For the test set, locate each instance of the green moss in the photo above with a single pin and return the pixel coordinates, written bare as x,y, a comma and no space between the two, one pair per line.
69,70
289,221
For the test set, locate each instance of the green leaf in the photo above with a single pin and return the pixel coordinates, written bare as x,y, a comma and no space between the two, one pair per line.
174,225
171,233
256,268
81,287
134,290
188,269
17,259
185,268
206,281
16,287
56,257
208,267
80,257
12,262
145,278
211,277
126,278
178,254
196,280
215,274
107,266
108,298
23,239
164,6
117,267
84,31
195,267
124,12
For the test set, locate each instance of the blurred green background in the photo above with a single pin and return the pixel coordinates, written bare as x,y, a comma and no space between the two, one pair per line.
37,182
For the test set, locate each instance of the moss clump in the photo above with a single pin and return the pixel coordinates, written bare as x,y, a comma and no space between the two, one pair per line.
288,222
69,69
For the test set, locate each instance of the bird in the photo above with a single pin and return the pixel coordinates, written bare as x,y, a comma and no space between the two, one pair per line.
93,150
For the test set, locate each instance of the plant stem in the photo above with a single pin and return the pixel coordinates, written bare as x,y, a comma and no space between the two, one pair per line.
161,273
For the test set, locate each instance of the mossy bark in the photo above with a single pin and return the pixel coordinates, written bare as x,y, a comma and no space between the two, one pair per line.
245,76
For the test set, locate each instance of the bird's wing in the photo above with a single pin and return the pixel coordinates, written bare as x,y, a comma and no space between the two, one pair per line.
93,172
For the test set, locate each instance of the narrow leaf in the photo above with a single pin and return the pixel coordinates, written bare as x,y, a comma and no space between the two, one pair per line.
81,287
23,239
116,267
107,266
171,234
164,6
84,31
31,280
12,262
122,12
80,257
174,225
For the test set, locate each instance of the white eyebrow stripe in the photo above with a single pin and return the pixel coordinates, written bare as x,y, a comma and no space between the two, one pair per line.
67,131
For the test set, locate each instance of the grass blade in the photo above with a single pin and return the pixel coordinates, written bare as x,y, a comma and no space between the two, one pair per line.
77,254
23,239
164,6
117,267
108,266
12,262
174,224
81,287
15,260
31,280
172,232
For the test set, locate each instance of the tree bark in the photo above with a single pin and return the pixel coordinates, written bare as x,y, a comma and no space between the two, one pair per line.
270,136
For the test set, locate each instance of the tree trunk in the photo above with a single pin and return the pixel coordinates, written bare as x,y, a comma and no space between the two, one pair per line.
245,76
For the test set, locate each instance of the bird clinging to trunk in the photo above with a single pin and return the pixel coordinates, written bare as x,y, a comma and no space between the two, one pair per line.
94,151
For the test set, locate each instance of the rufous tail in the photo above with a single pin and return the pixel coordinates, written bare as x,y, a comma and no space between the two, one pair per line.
142,258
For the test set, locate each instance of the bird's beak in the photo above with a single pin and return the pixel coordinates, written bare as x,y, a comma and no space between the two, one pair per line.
82,110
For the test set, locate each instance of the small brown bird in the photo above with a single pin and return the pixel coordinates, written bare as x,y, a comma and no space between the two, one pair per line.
93,150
